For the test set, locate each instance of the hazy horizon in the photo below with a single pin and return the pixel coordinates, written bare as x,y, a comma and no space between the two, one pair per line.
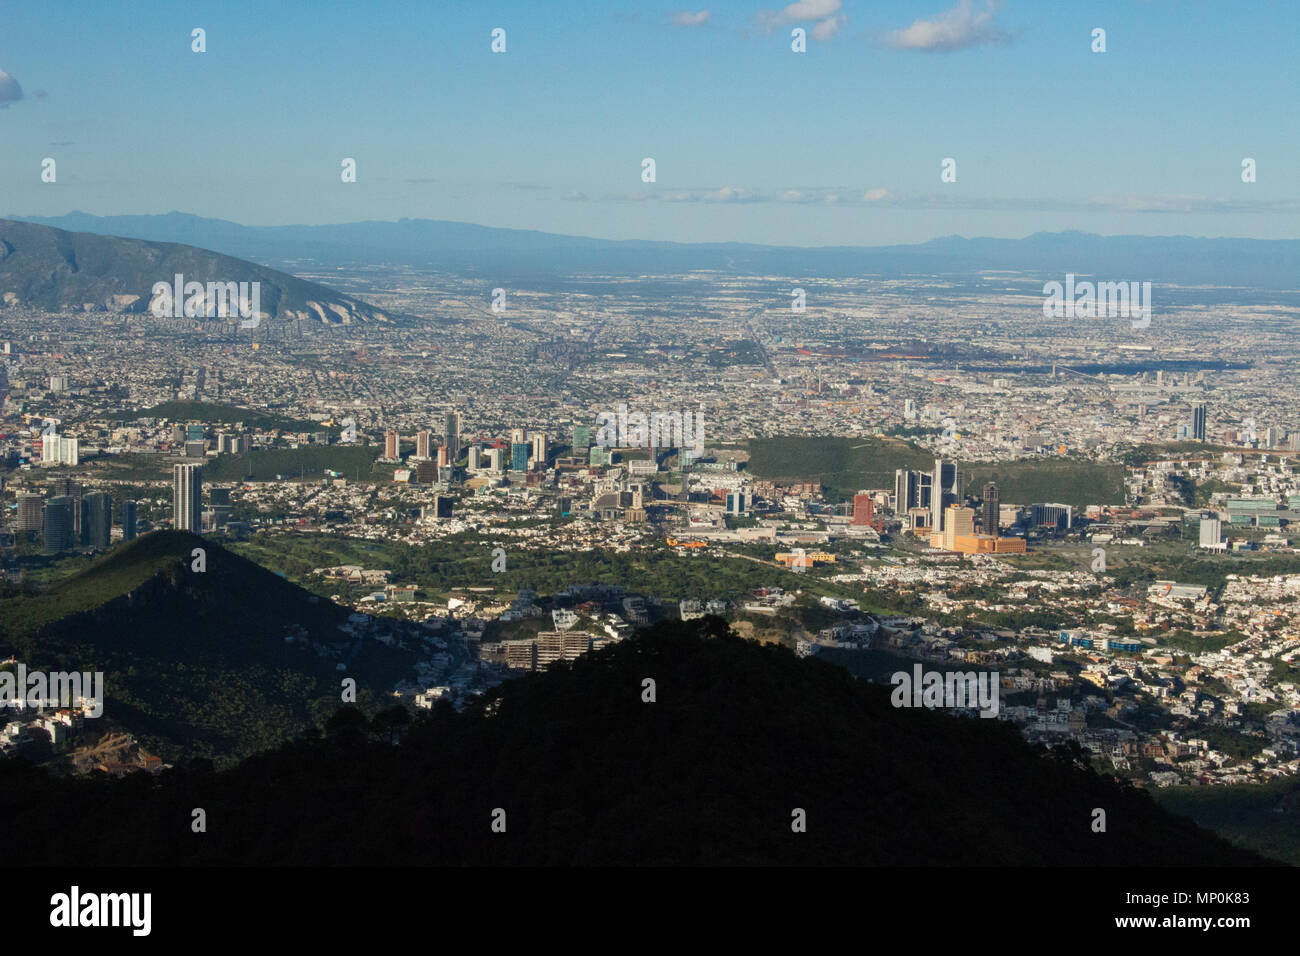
842,144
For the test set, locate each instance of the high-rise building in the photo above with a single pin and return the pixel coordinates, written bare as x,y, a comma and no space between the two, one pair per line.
1198,422
539,449
30,506
423,442
392,444
1052,515
61,449
957,522
128,520
581,439
1211,533
73,489
187,498
990,513
57,525
864,509
451,435
519,455
906,490
444,459
442,506
96,520
942,492
517,436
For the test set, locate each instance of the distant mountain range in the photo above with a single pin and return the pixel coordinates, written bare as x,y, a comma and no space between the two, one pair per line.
514,253
56,270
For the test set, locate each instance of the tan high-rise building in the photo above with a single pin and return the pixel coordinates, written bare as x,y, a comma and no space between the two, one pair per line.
423,442
957,522
391,444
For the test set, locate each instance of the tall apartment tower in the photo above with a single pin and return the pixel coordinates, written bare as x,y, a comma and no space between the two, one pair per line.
392,444
128,520
942,491
451,435
907,490
56,524
30,505
864,510
991,512
96,520
519,456
422,443
187,498
539,449
1198,422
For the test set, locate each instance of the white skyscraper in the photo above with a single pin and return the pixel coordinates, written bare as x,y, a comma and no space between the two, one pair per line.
60,450
187,497
1211,533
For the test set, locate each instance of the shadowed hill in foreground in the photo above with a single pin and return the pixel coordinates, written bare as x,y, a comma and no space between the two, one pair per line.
586,772
219,663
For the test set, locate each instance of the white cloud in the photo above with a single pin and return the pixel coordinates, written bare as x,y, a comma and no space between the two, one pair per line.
684,18
827,12
10,91
961,27
724,194
881,198
828,27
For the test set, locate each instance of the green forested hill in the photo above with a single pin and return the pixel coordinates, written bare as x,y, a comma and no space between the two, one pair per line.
196,663
844,465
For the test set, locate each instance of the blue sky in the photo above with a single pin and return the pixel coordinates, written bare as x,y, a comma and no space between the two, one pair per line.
752,142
